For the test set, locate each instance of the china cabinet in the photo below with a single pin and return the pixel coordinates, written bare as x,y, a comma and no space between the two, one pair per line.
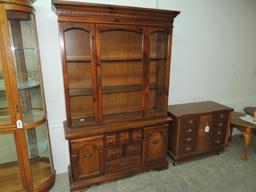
25,154
116,65
198,128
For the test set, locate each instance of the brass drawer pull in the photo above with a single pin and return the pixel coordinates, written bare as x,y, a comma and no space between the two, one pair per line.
189,139
221,116
187,148
189,130
155,141
87,155
220,124
219,132
218,141
124,164
116,154
191,121
133,150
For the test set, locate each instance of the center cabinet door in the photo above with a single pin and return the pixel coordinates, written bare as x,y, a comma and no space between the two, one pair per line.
79,69
120,71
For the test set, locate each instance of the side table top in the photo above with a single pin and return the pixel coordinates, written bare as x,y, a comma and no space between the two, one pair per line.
236,121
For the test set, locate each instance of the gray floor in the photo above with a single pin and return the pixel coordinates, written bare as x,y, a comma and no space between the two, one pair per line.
217,173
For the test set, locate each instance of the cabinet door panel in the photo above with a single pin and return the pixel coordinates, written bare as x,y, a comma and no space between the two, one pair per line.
87,157
155,143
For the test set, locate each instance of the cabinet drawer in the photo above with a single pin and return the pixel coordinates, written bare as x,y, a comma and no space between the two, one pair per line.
187,122
136,135
124,137
124,164
114,153
110,140
133,149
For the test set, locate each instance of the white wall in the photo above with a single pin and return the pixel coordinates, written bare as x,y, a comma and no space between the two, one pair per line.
214,57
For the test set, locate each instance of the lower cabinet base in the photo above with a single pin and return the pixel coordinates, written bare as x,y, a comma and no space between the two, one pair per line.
117,154
181,158
76,186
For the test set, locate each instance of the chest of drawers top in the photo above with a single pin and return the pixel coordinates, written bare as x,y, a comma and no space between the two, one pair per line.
181,110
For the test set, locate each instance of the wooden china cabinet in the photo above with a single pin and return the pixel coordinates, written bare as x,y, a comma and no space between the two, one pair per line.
25,154
116,65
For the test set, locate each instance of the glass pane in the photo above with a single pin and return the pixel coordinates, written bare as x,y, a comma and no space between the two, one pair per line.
10,179
78,58
158,62
24,46
39,154
4,111
122,73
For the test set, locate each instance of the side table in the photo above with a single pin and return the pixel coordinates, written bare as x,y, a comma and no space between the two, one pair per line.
247,129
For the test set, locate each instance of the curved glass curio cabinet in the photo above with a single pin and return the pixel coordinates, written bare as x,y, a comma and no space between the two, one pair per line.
25,154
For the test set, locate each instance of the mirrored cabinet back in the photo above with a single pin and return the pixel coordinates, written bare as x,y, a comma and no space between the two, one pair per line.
116,66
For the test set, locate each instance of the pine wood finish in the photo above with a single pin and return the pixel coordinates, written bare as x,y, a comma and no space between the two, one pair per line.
25,155
198,128
116,65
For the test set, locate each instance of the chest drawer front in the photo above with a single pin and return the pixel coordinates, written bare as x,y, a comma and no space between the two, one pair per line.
189,126
136,135
124,137
110,140
123,165
133,149
114,153
77,144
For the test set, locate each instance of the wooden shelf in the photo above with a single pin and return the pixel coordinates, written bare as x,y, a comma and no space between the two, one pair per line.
111,89
122,116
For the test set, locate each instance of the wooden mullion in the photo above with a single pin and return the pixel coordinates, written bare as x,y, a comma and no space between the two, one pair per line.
62,27
167,75
99,74
146,71
94,71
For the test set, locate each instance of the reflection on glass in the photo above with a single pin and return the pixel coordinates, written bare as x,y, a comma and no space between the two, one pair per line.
78,57
24,47
10,179
39,154
122,72
158,63
4,111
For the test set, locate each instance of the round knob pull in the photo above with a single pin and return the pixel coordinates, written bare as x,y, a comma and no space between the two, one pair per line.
189,130
187,148
189,139
220,124
219,132
191,121
218,141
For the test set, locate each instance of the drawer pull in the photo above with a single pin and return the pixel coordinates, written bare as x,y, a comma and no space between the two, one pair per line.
133,150
221,116
191,121
220,124
189,139
187,148
87,155
218,141
115,155
155,141
124,164
219,132
189,130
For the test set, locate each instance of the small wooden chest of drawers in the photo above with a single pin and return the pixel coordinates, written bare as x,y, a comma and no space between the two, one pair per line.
197,128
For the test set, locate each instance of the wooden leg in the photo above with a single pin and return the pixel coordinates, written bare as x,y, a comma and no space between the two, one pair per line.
247,142
230,133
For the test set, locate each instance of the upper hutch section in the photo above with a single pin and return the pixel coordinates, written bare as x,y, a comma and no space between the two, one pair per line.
116,62
100,13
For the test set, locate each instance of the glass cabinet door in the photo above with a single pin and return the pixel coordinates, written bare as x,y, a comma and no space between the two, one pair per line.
10,177
25,56
79,74
158,67
4,108
39,154
122,73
